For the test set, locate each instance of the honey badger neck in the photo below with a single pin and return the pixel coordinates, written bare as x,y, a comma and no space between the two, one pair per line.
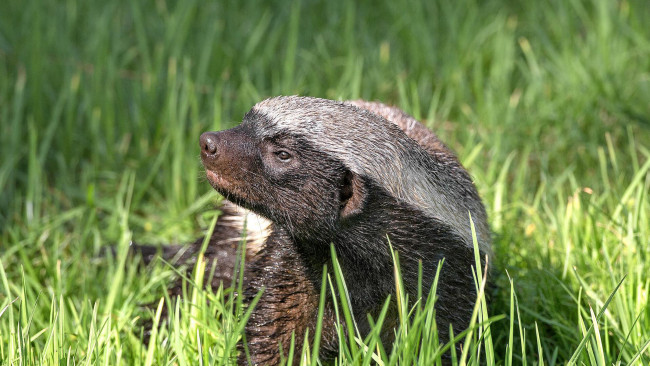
363,252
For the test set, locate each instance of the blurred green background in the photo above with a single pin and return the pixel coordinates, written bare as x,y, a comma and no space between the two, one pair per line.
546,103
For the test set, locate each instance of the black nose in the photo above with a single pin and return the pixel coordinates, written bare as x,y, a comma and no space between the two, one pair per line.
208,142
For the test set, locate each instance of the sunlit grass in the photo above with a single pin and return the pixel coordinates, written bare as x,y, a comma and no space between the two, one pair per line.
102,103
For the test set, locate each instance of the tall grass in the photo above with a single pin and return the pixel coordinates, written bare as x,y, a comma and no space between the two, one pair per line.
102,103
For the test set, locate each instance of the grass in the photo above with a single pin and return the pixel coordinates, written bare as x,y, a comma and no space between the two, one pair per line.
102,103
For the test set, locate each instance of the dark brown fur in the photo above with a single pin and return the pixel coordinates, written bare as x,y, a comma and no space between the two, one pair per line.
318,198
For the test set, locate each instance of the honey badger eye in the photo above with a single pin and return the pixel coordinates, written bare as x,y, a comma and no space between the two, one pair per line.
283,155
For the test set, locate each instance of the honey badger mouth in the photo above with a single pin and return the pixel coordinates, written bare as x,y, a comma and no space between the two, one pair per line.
224,186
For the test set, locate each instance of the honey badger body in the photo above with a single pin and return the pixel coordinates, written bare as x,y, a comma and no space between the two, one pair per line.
355,175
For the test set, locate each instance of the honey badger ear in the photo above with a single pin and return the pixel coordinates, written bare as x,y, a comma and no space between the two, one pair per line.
352,195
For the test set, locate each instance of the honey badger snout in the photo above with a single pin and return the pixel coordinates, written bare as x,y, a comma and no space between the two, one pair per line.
219,150
208,142
229,157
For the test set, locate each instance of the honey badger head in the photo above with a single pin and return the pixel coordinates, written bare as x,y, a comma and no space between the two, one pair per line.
281,175
307,164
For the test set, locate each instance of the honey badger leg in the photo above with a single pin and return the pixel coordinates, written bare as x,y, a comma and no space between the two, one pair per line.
233,225
289,305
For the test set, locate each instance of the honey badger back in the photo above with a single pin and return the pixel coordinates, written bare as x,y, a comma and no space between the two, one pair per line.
348,174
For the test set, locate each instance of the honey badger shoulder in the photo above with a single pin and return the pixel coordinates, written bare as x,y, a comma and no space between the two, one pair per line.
355,175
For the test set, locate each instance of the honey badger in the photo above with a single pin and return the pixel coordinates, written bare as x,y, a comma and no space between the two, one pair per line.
356,175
